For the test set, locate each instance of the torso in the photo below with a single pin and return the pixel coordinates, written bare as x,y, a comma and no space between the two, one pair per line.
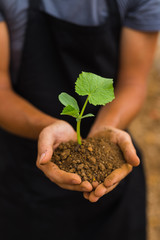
44,208
90,13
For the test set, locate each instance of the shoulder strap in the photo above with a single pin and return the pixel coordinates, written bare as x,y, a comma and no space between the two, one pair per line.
34,4
113,7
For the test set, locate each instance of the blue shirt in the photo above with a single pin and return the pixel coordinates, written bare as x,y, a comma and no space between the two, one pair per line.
141,15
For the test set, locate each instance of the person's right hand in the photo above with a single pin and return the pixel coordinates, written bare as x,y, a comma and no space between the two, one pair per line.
49,139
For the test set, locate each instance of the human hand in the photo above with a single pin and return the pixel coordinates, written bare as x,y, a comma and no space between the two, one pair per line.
48,141
124,141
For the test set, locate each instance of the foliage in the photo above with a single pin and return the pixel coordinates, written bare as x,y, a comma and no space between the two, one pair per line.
99,91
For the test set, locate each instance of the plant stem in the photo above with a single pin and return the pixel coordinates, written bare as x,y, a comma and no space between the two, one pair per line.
79,122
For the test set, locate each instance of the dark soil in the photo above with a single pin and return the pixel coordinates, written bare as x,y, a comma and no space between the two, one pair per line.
94,160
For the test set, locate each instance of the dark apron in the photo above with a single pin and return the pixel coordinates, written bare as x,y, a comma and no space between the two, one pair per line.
32,207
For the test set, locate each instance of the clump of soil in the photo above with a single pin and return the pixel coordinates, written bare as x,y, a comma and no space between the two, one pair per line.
94,160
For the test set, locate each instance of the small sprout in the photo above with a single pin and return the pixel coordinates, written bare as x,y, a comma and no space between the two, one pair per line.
98,90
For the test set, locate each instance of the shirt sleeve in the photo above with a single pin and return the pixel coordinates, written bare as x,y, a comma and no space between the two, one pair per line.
143,15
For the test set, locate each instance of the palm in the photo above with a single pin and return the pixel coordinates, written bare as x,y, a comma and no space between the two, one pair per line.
49,140
124,141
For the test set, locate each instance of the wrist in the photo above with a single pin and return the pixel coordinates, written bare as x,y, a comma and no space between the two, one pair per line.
102,125
39,122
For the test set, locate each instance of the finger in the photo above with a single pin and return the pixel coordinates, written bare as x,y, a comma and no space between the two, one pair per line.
100,191
84,186
45,147
125,143
46,156
94,184
86,195
92,197
59,176
117,175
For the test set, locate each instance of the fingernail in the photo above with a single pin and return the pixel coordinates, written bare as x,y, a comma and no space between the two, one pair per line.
42,157
86,195
75,181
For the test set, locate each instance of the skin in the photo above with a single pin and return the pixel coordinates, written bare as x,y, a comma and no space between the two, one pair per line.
125,143
49,139
130,92
30,122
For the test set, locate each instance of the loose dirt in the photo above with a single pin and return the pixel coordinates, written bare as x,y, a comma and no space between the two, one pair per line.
94,160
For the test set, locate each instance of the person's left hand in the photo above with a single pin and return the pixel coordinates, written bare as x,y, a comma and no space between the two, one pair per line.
124,141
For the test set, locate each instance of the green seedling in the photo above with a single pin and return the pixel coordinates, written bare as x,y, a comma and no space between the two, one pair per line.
98,90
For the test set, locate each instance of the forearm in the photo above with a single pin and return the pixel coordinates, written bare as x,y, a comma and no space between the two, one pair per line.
20,117
120,112
136,56
16,114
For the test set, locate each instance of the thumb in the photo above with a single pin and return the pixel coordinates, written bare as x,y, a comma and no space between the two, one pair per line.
45,156
45,148
127,147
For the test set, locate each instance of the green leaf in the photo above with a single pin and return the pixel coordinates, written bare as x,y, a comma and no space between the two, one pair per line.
69,110
66,100
100,90
87,115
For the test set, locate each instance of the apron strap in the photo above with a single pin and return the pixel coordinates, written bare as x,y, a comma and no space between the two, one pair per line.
113,7
33,4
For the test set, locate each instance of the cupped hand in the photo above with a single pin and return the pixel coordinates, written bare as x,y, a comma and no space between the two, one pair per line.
124,141
49,140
